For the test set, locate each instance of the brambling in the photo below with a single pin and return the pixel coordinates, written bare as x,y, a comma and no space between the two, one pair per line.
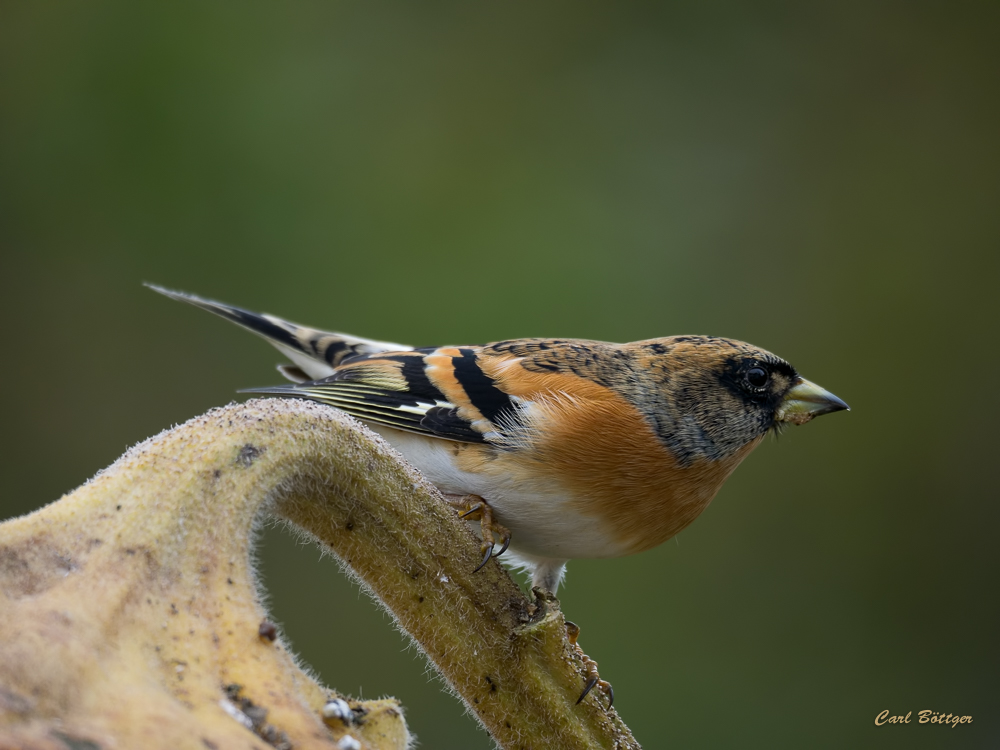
561,448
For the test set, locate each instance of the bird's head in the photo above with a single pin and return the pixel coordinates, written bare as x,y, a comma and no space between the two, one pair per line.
716,396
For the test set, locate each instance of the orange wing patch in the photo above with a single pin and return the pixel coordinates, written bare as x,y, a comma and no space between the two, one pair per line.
441,372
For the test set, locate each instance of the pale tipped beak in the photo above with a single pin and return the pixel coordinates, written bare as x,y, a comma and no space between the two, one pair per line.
807,400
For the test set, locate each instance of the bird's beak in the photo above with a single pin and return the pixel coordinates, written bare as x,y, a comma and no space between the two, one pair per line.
807,400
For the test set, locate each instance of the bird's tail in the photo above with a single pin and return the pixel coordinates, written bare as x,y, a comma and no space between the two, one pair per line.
315,353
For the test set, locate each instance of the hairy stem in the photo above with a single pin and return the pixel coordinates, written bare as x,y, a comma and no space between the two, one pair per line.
131,604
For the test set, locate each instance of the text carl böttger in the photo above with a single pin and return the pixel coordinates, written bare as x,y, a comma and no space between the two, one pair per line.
925,717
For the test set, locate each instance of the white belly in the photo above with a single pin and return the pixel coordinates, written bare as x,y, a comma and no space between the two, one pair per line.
542,520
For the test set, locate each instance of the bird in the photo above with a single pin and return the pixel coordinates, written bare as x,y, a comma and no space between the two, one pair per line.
560,448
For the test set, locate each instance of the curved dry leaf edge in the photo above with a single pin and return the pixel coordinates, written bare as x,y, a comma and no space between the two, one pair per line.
130,616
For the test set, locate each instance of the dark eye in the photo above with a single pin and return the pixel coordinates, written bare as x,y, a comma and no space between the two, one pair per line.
757,377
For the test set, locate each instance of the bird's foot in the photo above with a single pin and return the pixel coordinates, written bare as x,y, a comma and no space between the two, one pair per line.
474,508
593,678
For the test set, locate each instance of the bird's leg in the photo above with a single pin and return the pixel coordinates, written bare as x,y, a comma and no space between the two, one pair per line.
474,508
593,678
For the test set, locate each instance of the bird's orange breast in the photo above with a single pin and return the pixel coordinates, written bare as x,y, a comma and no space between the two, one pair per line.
607,456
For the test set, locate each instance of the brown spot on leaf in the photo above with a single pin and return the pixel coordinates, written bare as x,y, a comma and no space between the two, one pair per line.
248,454
15,703
31,567
258,718
267,630
75,743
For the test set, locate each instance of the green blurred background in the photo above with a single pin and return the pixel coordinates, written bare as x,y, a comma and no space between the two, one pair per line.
819,179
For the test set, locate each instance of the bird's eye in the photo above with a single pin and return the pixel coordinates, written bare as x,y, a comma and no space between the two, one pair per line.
757,377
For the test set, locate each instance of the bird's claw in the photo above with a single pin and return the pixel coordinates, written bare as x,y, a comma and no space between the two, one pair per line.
589,686
471,510
473,507
505,538
605,686
488,549
593,678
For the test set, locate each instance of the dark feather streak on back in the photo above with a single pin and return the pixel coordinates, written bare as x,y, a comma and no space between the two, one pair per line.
261,325
445,421
331,351
491,402
416,390
415,375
